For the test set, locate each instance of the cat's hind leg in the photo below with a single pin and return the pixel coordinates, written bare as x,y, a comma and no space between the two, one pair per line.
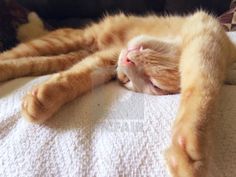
202,68
56,42
63,87
39,65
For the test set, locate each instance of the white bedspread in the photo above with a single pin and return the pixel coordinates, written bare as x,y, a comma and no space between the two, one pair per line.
107,132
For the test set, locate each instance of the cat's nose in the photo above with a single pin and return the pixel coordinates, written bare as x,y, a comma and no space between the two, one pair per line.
127,61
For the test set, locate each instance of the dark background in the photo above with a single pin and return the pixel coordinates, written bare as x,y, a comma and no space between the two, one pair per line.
74,12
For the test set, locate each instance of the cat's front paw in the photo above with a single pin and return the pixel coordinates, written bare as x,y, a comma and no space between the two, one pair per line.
186,156
41,103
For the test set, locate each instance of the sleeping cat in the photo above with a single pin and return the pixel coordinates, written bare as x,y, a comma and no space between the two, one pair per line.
155,55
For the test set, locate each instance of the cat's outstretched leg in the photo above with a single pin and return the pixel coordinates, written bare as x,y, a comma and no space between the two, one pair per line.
56,42
34,66
202,68
63,87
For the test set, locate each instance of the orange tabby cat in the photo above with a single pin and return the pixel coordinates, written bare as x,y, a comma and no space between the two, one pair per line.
156,55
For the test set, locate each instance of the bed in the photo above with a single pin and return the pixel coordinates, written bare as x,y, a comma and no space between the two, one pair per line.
109,131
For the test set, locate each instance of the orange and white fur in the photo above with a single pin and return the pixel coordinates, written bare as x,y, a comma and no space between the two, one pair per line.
151,54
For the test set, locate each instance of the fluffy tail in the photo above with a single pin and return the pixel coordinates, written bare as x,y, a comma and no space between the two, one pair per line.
31,30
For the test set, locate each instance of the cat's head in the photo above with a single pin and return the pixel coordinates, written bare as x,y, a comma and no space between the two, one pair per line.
150,66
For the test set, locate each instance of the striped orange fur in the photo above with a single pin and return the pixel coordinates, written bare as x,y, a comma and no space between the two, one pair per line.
151,54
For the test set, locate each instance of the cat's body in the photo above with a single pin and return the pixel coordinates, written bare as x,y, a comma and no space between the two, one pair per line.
189,53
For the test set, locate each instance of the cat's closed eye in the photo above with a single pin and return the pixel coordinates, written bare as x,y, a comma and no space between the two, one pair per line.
140,68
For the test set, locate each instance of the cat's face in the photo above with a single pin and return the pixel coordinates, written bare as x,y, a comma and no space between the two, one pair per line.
148,66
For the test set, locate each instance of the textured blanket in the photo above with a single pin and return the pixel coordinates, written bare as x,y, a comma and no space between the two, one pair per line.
107,132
